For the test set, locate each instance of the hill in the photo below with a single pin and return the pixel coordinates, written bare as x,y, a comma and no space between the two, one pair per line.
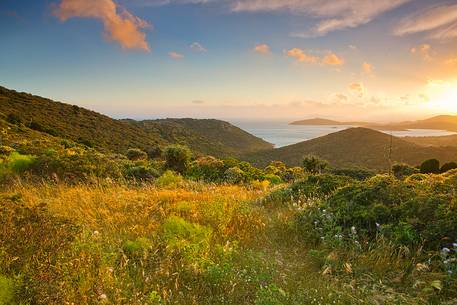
320,121
440,141
96,130
441,122
355,147
207,136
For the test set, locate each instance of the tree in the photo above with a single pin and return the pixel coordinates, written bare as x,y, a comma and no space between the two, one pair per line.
448,166
314,164
431,166
177,157
136,154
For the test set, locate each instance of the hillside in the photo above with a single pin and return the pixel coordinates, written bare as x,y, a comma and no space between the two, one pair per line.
207,136
355,147
440,141
106,134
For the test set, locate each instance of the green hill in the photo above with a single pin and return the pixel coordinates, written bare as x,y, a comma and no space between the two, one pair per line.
106,134
355,147
207,136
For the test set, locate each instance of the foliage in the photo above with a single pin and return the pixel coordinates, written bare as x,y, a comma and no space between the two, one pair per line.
135,154
169,179
402,170
430,166
234,175
207,169
448,166
177,158
357,173
7,290
313,164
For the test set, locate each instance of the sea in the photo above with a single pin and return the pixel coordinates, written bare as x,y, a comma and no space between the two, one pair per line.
281,133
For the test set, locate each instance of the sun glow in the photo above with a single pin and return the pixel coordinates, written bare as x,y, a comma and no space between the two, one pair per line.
443,95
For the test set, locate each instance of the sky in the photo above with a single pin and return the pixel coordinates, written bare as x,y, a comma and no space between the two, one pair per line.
378,60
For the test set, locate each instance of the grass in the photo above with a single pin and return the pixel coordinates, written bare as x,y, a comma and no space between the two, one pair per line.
189,243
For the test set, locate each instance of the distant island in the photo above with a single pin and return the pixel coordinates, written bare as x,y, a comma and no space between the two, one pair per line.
441,122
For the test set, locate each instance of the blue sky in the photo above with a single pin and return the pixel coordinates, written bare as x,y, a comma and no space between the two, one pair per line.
277,59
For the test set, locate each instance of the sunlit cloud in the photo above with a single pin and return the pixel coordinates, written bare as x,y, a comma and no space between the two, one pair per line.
175,55
440,21
357,89
368,68
301,56
119,24
332,59
198,102
451,61
263,49
424,50
197,47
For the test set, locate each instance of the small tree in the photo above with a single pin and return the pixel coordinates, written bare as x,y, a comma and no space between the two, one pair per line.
177,157
136,154
431,166
314,164
448,166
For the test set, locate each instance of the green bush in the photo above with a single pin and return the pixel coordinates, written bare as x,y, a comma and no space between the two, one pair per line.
354,172
207,168
18,163
135,154
431,166
406,212
402,170
234,175
314,164
141,172
177,158
448,166
7,290
169,179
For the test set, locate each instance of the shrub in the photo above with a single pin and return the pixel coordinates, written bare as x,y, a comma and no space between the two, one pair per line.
177,158
19,163
14,119
402,170
448,166
135,154
141,172
274,179
354,172
431,166
7,290
154,152
207,168
169,179
314,164
234,175
6,150
185,237
136,248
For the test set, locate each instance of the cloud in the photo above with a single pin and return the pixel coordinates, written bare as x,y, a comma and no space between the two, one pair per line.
451,61
175,55
197,47
440,21
368,68
198,102
301,56
119,24
357,89
263,49
424,50
332,15
332,59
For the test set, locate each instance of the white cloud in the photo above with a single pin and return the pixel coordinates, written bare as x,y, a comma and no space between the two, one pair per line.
332,59
439,21
197,47
424,50
333,15
358,89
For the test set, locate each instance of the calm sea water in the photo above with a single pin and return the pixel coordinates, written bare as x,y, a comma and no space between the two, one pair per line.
282,134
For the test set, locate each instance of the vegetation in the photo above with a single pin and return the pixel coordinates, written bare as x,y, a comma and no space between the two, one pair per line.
161,224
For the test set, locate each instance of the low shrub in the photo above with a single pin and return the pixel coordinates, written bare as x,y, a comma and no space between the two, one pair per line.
169,179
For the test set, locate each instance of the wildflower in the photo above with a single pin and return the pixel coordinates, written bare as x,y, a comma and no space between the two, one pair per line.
95,233
353,230
378,225
103,296
445,251
454,245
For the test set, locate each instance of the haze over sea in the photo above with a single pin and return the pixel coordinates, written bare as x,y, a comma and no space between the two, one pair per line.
280,133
